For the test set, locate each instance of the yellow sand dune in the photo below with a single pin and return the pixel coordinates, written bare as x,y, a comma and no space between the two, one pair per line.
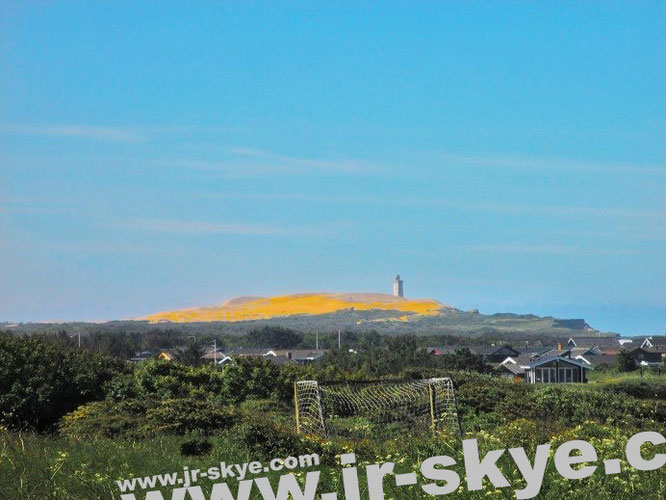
250,308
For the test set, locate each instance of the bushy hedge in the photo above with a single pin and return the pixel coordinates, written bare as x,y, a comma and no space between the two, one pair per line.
574,404
235,382
643,389
485,401
40,380
144,418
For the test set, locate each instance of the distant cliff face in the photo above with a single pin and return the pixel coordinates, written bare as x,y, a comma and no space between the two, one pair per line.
261,308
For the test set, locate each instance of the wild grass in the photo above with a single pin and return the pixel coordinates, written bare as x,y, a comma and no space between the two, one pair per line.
37,467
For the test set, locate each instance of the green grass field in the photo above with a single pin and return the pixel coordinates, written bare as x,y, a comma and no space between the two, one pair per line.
40,467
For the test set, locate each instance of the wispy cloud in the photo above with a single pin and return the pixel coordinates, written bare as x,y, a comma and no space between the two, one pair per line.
88,132
110,247
229,169
547,163
573,211
437,203
239,162
544,249
194,227
301,163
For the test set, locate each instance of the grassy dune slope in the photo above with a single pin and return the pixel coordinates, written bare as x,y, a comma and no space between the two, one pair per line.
254,308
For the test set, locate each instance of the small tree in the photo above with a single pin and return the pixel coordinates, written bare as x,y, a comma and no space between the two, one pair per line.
625,363
464,359
190,356
273,336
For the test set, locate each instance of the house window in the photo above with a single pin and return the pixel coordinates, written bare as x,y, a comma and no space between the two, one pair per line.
566,375
546,375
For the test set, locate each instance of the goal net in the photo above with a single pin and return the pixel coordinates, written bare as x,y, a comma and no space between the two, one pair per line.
375,408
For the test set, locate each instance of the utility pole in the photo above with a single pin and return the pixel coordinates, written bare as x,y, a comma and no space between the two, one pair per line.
317,340
339,347
215,352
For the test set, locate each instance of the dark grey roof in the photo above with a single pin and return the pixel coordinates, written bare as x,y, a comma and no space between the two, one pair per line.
602,359
547,359
653,349
523,359
653,339
557,352
572,352
300,353
539,352
251,351
487,350
212,355
513,368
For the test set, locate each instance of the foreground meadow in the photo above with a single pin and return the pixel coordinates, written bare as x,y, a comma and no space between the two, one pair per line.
74,423
42,467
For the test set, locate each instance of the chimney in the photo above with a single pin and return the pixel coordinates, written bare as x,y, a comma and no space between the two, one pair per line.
289,355
559,346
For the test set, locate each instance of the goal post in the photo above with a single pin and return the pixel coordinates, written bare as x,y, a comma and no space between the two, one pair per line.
379,407
309,414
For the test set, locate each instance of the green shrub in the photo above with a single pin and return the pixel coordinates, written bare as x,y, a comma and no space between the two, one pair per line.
642,389
168,380
107,419
235,382
138,418
179,416
40,380
574,404
268,439
625,363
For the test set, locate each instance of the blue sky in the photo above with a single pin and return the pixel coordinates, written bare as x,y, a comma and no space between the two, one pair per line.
505,157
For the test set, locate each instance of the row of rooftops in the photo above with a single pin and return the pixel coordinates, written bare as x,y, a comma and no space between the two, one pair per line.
587,350
279,356
584,351
595,345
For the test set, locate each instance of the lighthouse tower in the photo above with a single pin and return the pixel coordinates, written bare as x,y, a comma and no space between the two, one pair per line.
397,286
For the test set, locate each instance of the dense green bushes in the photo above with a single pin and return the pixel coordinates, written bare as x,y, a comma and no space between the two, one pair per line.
268,439
574,404
40,381
392,355
643,389
169,398
485,401
245,378
144,418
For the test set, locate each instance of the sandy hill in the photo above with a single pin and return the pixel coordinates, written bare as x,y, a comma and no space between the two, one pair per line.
258,308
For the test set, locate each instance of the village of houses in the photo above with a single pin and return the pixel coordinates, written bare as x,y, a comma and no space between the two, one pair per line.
567,361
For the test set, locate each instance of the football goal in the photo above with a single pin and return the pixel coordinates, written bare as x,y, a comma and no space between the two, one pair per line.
375,408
